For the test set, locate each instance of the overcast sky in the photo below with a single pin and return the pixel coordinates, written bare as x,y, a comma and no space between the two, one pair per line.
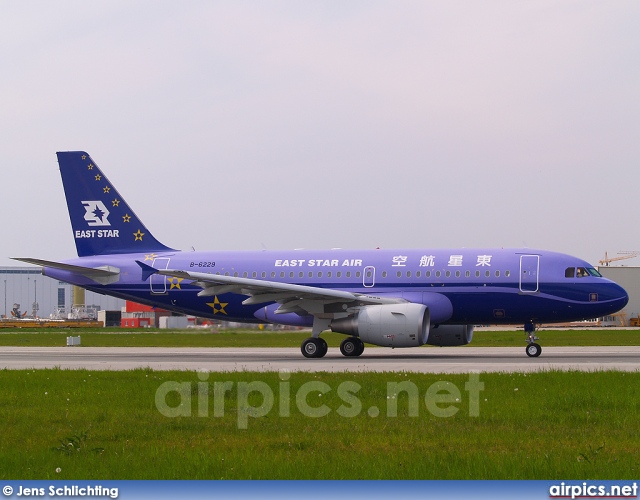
319,124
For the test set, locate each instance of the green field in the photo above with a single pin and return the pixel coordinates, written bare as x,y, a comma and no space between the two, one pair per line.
255,338
106,425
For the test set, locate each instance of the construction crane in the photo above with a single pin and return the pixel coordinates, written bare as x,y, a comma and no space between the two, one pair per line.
622,255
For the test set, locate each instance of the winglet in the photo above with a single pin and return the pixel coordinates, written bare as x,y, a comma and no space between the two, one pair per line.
147,270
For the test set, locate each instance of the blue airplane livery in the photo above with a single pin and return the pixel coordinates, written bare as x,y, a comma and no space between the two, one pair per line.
393,298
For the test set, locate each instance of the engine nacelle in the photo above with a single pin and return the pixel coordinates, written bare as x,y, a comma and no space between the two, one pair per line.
450,335
389,325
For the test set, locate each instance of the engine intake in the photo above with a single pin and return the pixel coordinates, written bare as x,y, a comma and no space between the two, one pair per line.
389,325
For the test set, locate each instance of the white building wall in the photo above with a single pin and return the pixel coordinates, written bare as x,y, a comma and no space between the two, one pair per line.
26,285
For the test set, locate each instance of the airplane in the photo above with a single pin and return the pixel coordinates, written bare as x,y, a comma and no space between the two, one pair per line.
393,298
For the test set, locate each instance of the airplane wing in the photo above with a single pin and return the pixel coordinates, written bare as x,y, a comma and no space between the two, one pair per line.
291,297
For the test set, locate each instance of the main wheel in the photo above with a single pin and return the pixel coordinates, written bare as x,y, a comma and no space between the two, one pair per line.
351,346
323,347
533,350
314,348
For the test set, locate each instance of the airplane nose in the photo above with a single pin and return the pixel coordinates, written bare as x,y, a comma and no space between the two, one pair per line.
624,297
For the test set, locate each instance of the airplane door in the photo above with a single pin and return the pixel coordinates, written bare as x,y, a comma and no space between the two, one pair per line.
369,276
529,270
159,283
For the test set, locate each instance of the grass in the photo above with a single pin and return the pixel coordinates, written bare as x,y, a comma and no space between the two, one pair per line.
255,338
106,425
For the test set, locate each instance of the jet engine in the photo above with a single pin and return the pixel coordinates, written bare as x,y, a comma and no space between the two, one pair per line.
450,335
389,325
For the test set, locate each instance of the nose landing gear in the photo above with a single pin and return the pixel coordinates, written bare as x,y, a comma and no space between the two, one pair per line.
533,350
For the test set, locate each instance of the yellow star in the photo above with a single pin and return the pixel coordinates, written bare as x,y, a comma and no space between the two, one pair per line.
116,202
151,256
138,234
90,166
98,177
106,189
175,283
126,218
217,306
84,157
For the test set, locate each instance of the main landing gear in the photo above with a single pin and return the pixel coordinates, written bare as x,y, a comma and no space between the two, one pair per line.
352,346
533,350
316,347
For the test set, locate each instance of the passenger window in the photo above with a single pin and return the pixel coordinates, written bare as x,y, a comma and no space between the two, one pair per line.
319,274
418,274
310,274
437,274
282,274
487,274
245,274
477,274
467,274
358,274
291,274
457,274
408,274
507,273
300,274
273,274
264,274
399,274
339,274
427,274
569,272
348,274
448,274
329,274
254,274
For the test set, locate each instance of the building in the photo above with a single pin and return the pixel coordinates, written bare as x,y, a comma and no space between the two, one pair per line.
43,297
628,278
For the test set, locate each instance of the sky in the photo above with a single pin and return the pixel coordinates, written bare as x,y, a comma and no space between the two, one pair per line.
242,125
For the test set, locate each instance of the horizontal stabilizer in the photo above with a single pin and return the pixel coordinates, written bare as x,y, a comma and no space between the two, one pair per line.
105,275
147,270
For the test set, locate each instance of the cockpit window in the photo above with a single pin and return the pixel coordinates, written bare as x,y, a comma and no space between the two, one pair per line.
581,272
593,272
569,272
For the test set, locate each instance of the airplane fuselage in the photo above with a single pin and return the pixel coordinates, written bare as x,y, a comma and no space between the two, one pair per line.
460,286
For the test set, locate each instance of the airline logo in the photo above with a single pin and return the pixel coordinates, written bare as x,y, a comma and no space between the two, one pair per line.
96,213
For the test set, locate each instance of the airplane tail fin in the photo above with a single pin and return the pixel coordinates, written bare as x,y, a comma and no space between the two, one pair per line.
102,222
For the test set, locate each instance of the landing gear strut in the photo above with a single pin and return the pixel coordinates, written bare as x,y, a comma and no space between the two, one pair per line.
352,346
314,346
533,350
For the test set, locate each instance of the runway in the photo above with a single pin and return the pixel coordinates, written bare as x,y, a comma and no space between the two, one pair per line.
421,360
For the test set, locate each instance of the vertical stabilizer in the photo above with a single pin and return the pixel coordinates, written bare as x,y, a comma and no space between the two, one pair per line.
102,222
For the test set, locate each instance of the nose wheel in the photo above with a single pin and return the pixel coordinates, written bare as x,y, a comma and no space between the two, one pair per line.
533,350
